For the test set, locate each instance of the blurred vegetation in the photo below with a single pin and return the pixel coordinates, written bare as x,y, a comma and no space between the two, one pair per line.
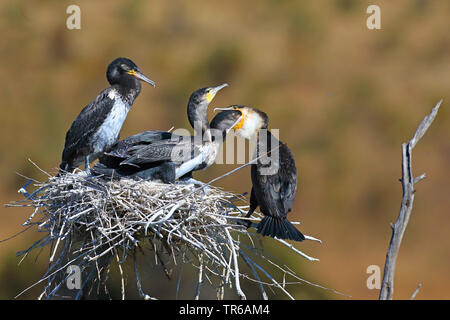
344,97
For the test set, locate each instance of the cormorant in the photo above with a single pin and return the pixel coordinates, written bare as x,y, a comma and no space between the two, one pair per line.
98,125
166,156
274,175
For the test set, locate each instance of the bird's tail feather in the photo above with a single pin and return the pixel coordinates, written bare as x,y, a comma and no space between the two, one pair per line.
280,228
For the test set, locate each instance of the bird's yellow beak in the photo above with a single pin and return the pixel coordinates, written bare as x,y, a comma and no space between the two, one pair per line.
142,77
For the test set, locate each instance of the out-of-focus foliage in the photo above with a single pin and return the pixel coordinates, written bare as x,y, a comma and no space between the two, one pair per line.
344,97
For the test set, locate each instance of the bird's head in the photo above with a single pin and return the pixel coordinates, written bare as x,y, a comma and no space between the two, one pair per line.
199,102
123,71
206,95
223,122
247,120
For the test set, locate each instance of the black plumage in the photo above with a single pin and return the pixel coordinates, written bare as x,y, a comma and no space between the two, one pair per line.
163,155
274,175
274,193
98,125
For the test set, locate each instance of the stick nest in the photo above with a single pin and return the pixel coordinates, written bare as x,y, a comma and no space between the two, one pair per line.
91,222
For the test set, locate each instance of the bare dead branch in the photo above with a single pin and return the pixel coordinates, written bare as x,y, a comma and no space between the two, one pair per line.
398,229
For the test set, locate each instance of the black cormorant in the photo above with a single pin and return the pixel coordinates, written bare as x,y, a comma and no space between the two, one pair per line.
98,125
166,156
274,175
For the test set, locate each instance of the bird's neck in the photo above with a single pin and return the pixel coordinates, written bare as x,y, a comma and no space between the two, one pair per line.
265,141
198,119
129,89
218,136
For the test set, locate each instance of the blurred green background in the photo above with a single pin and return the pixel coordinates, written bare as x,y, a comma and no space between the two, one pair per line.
344,97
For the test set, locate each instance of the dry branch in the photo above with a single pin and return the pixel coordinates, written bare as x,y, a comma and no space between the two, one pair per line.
398,229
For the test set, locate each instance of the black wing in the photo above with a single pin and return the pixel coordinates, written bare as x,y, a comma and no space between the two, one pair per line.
288,177
123,148
163,150
147,148
276,192
87,122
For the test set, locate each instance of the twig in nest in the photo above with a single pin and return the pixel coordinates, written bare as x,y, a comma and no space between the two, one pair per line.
413,296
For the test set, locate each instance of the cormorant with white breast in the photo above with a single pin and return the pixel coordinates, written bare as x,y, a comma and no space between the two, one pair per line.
274,175
167,156
98,125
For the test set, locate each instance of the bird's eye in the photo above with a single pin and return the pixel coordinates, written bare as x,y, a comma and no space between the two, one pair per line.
125,67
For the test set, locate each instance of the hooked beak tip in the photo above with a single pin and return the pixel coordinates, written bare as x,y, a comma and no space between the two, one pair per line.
218,88
142,77
221,109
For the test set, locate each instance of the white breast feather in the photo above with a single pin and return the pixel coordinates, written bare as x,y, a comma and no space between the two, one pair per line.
109,131
252,123
207,154
188,166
